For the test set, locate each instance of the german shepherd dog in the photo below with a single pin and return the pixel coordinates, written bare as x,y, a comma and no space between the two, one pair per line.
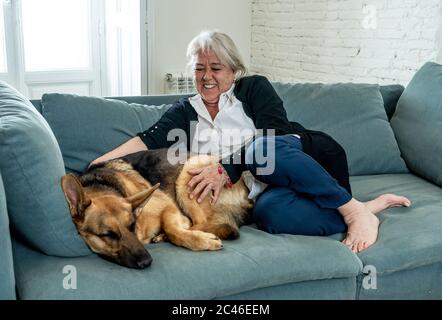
119,205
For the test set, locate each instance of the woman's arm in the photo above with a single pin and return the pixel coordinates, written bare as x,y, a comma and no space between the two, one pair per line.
133,145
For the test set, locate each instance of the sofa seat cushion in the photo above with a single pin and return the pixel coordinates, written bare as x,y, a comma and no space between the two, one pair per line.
87,127
354,115
417,122
325,289
256,260
31,166
409,238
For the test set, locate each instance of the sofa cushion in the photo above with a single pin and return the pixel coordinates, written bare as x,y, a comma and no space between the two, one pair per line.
351,113
87,127
390,95
7,283
407,256
417,122
31,166
256,260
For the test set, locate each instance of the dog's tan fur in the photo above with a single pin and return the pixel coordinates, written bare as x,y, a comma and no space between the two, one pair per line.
164,213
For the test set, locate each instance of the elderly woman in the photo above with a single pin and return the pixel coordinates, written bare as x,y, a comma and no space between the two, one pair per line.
302,192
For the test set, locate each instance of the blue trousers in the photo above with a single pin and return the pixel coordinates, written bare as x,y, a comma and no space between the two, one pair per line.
301,197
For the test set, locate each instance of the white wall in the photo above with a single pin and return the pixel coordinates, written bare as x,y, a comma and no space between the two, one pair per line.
331,40
176,22
439,36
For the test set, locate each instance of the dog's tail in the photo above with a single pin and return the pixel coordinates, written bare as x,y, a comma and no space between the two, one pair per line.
224,231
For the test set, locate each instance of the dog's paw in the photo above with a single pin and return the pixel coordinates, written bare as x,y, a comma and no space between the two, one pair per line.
212,242
215,244
201,241
159,238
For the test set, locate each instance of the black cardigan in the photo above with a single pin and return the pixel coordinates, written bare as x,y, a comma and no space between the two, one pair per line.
262,104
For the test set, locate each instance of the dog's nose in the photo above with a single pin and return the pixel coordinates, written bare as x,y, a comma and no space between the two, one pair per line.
144,263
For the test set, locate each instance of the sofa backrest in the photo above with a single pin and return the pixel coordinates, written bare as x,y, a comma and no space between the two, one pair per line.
87,127
354,115
390,95
147,100
417,122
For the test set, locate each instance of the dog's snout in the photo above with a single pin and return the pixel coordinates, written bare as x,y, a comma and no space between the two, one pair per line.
146,262
141,258
134,255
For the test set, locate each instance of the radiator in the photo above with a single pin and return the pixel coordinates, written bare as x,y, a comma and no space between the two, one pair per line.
178,83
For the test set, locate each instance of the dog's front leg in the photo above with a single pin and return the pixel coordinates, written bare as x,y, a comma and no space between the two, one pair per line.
176,226
148,227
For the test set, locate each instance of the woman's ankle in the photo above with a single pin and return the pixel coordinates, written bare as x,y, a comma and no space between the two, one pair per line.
351,208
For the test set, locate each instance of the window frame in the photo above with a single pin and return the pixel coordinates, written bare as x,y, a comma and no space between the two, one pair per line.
93,80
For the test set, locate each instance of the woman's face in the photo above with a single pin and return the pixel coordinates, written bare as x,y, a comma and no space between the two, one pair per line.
212,77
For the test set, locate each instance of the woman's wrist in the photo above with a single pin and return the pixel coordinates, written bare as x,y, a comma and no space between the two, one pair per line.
228,184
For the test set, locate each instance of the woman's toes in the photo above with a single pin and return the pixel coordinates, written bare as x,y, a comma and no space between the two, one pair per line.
361,246
351,243
348,241
354,248
402,201
396,201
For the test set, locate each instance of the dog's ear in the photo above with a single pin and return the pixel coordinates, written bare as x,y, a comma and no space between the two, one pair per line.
140,199
75,196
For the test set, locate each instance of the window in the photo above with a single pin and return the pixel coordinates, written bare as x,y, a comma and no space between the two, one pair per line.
56,34
87,47
123,46
3,63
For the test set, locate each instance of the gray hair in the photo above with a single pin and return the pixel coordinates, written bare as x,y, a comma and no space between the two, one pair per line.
222,46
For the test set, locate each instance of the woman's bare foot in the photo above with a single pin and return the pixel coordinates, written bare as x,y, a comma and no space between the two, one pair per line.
361,221
362,225
386,201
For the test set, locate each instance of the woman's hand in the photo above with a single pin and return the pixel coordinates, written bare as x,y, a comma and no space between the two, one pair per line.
130,146
96,161
209,179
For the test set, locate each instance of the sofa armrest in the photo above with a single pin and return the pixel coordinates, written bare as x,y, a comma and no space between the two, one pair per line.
7,282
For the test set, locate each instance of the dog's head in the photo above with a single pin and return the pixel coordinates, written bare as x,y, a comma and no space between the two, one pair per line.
107,222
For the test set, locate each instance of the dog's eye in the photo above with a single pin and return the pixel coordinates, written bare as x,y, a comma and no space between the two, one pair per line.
111,235
132,227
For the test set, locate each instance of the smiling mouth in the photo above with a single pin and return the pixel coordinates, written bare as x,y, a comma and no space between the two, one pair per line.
209,86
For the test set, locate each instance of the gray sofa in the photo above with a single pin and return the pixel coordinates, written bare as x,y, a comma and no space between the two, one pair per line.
393,141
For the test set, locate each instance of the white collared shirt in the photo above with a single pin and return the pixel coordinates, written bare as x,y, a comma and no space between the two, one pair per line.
225,134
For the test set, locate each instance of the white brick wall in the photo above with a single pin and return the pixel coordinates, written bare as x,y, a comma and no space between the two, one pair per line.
334,41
